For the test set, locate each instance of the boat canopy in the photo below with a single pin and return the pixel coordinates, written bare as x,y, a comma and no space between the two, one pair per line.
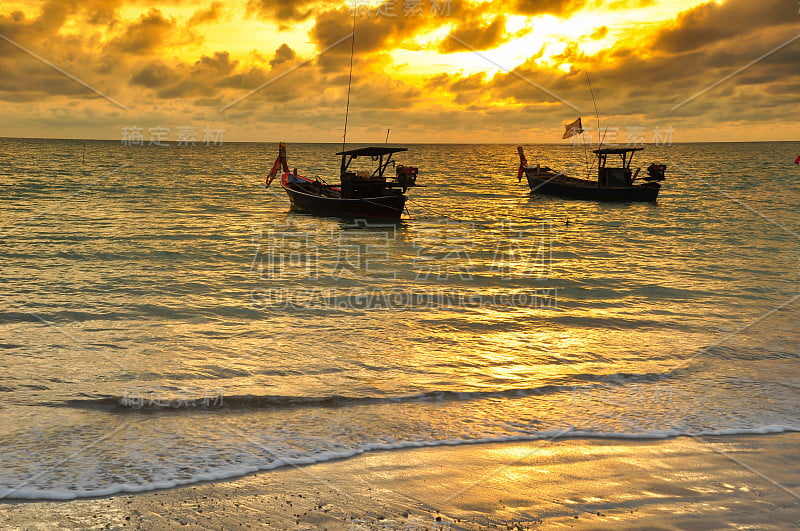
616,151
626,154
377,153
372,151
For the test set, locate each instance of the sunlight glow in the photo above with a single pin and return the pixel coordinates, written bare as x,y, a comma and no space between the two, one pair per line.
589,32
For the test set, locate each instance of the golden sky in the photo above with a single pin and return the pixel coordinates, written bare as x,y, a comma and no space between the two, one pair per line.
431,70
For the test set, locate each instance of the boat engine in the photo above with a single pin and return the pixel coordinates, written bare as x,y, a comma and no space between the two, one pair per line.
656,172
407,176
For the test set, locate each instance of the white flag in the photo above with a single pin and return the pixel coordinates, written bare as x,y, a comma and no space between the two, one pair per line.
575,128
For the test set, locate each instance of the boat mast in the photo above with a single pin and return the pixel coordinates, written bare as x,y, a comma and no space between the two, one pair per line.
596,114
349,81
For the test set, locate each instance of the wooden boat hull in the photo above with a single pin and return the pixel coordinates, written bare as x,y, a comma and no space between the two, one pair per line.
584,189
384,207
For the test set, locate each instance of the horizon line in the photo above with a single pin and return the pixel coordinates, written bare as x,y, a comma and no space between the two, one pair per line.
218,144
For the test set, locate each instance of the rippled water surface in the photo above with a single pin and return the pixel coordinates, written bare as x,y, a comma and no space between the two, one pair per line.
167,320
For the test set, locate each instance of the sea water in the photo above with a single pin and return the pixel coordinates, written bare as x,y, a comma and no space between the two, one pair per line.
167,320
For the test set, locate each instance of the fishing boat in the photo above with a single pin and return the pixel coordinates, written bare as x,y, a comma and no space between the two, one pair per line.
615,181
359,194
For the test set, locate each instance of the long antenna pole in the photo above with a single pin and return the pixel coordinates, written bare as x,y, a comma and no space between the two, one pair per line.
585,155
596,114
349,80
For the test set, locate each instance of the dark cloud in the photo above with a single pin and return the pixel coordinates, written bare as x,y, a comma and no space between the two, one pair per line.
15,96
100,12
25,75
377,92
247,79
392,25
282,54
282,10
204,78
548,7
54,14
386,26
712,22
220,63
205,16
210,102
476,34
332,26
218,78
33,77
31,31
469,83
155,75
146,35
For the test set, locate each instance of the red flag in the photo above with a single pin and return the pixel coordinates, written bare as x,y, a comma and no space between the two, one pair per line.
797,160
280,163
522,162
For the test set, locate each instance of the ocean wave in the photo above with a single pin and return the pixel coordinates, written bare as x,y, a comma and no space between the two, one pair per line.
233,472
132,311
754,353
8,346
60,316
150,401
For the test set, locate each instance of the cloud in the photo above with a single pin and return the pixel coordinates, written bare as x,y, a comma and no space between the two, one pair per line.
282,54
205,16
19,28
219,64
282,10
25,77
205,78
548,7
634,84
155,75
385,27
712,22
157,62
54,14
151,32
477,34
99,12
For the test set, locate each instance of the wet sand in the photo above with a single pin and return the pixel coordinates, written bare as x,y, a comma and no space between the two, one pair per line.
741,482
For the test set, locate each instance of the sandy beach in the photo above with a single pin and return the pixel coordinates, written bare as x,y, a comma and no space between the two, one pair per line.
750,482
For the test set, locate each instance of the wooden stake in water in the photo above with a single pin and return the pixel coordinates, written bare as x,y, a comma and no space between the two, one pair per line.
83,158
387,137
